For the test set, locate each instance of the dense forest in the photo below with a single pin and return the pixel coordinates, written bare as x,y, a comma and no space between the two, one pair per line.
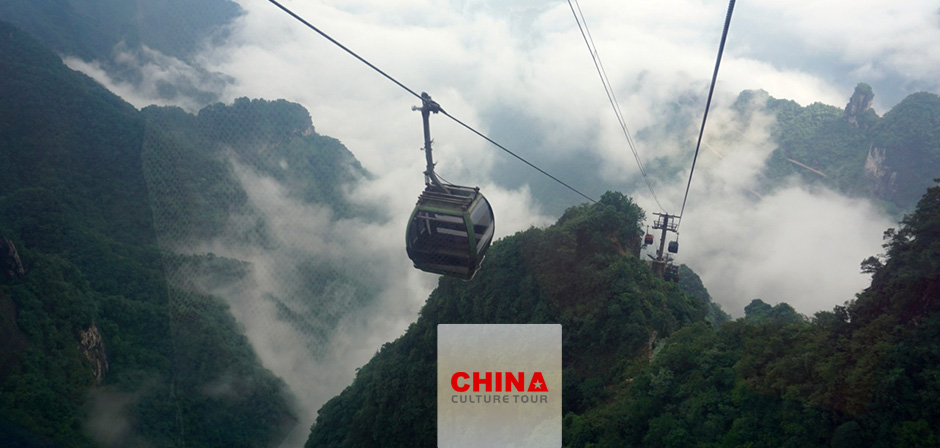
96,349
646,364
614,311
890,159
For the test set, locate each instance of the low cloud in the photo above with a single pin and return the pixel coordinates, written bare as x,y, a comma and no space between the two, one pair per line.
111,421
796,244
323,295
145,76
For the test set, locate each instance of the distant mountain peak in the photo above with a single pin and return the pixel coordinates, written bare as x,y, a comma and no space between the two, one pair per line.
859,103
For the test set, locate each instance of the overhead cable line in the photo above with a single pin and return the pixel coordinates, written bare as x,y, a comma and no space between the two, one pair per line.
711,90
352,53
516,156
399,84
589,41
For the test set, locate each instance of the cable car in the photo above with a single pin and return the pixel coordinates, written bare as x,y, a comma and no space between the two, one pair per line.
671,273
451,227
648,240
450,232
673,247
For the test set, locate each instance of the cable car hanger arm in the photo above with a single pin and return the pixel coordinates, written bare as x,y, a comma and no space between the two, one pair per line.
429,106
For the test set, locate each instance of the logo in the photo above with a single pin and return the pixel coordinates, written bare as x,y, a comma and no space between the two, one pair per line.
485,381
499,385
498,382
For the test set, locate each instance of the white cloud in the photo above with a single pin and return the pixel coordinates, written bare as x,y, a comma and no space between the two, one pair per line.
155,78
484,59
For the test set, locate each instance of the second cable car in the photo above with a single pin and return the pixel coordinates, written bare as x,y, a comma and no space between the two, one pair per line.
671,273
673,247
451,226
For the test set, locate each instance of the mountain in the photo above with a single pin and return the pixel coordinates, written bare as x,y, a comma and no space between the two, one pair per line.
92,30
189,161
130,39
579,272
891,159
863,374
642,365
213,178
98,350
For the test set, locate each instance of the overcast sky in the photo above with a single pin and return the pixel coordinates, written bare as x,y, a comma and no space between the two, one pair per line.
519,71
488,62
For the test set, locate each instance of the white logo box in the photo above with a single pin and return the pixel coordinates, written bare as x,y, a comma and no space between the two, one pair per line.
511,361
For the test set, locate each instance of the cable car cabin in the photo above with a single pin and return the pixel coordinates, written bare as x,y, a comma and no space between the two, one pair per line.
449,233
673,247
671,273
648,239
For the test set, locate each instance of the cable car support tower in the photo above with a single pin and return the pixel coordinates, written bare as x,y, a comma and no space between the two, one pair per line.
662,263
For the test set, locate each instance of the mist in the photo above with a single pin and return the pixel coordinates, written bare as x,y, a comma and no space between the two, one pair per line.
321,293
519,71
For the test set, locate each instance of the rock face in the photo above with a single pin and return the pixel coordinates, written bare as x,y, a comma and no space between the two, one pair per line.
92,346
881,179
10,259
860,102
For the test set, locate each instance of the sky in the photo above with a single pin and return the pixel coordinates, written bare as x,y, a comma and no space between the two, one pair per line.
519,71
524,62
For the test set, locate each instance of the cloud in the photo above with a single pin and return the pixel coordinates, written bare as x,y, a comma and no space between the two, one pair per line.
796,244
519,71
144,76
326,292
110,419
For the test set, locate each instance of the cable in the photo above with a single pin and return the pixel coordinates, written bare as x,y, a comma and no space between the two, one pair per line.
589,41
360,58
399,84
516,156
711,90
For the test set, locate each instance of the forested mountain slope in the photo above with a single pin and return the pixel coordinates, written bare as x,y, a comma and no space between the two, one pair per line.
891,159
863,374
94,351
580,273
213,178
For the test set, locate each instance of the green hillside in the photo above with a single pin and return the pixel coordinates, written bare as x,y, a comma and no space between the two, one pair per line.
891,159
863,374
577,273
198,199
95,350
642,366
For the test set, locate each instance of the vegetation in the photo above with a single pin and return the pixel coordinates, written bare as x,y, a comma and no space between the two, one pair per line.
580,273
75,204
863,374
891,159
188,162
